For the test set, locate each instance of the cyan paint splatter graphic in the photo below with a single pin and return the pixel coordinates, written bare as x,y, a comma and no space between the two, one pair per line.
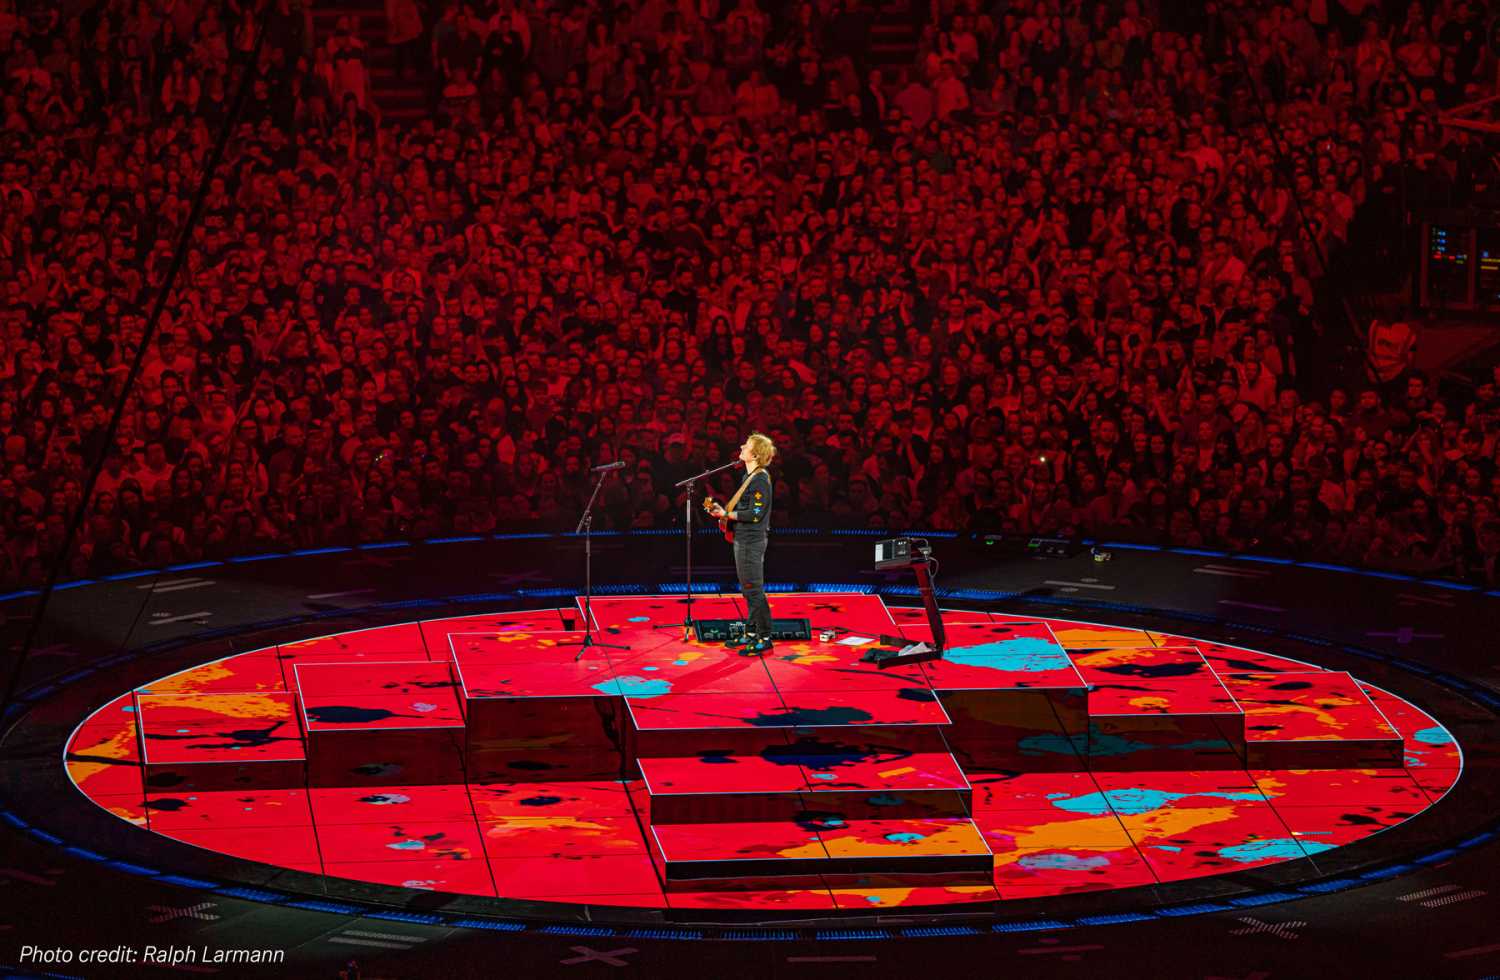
1133,801
905,838
1277,849
1027,654
1055,744
1437,735
639,619
408,845
1062,862
634,687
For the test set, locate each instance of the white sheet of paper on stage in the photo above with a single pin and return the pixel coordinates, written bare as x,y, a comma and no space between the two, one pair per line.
855,641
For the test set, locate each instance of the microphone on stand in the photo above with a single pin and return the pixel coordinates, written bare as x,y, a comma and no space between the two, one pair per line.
717,469
618,464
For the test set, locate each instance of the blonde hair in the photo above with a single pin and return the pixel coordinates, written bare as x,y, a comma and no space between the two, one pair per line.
762,448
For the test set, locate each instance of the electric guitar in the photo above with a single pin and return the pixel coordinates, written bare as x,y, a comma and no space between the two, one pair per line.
728,532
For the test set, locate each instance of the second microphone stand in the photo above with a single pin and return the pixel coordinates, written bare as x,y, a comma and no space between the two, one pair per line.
585,527
687,524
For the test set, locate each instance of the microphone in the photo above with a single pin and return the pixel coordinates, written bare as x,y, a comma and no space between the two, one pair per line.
618,464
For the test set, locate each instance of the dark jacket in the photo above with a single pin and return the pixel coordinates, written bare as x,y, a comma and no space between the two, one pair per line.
753,512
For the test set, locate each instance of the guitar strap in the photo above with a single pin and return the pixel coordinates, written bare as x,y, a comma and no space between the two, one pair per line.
741,491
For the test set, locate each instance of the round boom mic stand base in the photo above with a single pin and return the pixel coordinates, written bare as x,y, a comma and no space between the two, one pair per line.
585,527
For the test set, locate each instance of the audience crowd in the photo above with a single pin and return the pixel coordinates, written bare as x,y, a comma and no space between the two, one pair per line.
1059,273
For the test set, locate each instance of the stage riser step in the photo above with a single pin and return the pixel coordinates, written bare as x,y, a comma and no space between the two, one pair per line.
786,720
738,741
830,879
742,807
818,843
366,758
522,764
1383,754
216,776
786,872
1167,742
1315,719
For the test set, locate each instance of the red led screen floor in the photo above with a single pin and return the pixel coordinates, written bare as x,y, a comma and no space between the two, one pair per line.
1038,757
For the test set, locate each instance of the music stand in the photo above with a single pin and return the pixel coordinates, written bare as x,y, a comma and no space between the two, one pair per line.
585,527
687,525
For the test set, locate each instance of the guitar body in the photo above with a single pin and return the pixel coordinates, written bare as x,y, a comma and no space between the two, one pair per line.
724,528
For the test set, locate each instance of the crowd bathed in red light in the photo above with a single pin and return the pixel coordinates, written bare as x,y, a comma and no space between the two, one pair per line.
1063,272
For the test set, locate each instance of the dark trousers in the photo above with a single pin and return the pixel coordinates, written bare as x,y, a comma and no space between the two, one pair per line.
749,564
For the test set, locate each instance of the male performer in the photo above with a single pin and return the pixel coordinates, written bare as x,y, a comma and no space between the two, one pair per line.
750,511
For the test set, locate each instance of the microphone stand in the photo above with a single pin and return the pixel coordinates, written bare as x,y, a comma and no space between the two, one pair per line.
687,525
585,527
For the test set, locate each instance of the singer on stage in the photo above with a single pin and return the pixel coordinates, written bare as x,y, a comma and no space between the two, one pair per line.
749,514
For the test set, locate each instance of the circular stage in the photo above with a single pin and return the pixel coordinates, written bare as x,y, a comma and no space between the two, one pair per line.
1167,737
494,756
